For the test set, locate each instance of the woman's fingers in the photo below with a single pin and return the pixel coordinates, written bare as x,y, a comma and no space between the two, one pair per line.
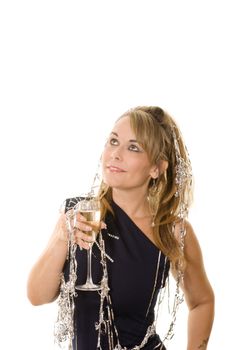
80,223
103,225
83,244
83,233
83,236
83,240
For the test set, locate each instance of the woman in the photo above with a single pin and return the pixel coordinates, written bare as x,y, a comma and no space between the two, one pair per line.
145,194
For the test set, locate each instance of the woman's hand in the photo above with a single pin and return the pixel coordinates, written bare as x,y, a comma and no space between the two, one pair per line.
81,230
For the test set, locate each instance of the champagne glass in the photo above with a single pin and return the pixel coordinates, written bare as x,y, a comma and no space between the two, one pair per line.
90,209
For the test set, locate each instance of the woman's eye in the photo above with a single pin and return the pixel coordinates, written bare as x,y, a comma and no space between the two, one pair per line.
113,142
134,148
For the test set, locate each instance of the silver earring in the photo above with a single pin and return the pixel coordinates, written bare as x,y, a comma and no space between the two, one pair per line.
153,199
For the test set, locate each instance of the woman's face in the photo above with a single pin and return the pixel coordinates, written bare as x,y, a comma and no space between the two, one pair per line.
125,165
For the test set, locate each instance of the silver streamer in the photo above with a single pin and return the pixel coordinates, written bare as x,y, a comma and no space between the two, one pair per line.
64,326
183,168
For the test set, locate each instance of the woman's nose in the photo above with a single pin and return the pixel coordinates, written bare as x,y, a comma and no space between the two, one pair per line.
117,153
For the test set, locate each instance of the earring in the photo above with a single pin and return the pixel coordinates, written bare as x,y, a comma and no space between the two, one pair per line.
152,189
153,199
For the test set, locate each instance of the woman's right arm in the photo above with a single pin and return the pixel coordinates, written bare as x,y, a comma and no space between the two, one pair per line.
44,278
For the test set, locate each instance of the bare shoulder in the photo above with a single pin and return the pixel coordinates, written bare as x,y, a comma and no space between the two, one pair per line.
192,247
196,284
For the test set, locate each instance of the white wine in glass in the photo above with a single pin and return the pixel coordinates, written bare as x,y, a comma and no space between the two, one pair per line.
90,209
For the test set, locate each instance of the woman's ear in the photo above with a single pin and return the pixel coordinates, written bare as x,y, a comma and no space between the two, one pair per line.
154,173
159,169
162,165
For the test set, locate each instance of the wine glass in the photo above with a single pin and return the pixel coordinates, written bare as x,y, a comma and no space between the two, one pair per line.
90,209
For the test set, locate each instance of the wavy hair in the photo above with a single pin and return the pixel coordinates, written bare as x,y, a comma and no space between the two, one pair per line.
169,195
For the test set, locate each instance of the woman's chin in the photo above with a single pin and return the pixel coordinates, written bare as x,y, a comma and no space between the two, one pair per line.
113,183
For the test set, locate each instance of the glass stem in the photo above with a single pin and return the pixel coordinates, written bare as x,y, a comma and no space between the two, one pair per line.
89,257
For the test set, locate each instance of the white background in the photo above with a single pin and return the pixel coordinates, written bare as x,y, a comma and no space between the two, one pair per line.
68,69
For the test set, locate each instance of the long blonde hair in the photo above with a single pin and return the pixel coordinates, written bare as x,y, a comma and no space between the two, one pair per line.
170,194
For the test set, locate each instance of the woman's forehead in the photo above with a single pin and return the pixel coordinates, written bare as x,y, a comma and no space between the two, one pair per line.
122,123
122,128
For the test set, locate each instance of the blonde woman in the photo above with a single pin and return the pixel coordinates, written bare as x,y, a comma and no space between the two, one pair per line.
145,195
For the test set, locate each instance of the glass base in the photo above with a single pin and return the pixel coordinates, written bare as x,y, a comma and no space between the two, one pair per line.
89,286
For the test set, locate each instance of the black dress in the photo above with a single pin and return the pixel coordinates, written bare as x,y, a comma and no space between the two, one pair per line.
137,274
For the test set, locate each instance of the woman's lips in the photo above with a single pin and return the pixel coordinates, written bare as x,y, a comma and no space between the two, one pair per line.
115,169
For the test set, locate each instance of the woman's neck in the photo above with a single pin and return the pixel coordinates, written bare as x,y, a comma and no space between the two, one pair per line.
134,203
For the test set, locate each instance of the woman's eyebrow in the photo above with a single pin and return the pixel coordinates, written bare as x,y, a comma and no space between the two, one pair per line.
114,133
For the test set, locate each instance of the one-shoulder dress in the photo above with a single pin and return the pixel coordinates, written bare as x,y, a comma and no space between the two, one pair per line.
136,275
